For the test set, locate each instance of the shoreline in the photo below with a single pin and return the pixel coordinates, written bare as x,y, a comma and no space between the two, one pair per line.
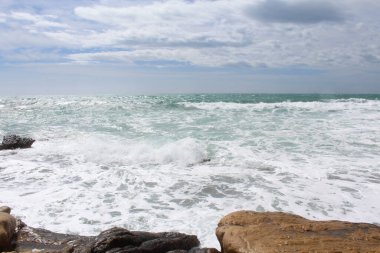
237,232
143,200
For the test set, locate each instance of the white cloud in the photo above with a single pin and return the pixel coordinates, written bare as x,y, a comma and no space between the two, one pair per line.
213,33
184,55
37,20
169,13
2,17
201,23
201,33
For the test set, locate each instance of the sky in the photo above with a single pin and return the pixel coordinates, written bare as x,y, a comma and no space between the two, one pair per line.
189,46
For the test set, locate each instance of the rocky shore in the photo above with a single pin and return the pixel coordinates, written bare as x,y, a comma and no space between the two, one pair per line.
238,232
264,232
16,236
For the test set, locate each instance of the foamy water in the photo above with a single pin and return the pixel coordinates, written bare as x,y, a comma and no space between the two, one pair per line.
180,163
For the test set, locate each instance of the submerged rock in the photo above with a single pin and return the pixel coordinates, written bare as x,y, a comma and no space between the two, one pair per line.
15,141
7,228
248,231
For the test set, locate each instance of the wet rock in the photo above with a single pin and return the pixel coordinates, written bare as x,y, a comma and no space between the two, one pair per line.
31,239
7,229
15,141
118,240
114,240
248,231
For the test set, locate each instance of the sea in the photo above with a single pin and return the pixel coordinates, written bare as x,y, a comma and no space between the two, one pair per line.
182,162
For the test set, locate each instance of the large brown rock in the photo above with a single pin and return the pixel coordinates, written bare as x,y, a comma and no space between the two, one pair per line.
7,228
255,232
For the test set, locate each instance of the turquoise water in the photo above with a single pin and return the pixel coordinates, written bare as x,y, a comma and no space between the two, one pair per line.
181,162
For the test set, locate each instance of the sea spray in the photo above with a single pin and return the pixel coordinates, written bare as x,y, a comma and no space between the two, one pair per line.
181,162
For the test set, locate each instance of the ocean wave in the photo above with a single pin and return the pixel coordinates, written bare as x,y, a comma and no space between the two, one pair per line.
143,158
328,105
104,150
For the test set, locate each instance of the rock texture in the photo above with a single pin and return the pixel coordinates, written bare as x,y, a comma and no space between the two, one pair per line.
15,141
17,237
119,240
5,209
7,229
41,240
254,232
115,240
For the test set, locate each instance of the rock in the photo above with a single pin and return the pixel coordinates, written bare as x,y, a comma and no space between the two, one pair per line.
31,239
7,229
114,240
5,209
119,240
248,231
15,141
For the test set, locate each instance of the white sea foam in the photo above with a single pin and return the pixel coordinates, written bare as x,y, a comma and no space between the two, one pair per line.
186,151
121,163
329,105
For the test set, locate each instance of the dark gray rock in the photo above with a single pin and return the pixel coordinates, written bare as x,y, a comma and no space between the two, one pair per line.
31,239
115,240
15,141
120,240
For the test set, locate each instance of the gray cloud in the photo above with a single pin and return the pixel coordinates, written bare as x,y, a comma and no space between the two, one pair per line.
198,33
299,12
371,58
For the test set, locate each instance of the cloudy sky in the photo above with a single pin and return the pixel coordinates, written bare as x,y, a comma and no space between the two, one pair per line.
175,46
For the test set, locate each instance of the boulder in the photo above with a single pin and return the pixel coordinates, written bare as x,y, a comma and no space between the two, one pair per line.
120,240
7,229
31,239
15,141
5,209
114,240
248,231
